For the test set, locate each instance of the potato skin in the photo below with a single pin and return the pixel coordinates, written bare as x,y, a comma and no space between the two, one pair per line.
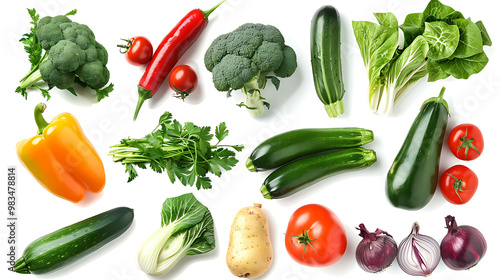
250,253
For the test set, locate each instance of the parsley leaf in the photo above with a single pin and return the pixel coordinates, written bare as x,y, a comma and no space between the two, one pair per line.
183,151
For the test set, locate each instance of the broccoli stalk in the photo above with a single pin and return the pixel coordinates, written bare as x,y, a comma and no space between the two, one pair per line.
70,55
243,59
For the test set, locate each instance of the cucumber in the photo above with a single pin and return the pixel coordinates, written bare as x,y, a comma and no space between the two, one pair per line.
325,59
294,144
412,179
302,173
69,244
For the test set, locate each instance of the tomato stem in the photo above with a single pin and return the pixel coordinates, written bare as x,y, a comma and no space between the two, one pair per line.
467,143
304,239
457,185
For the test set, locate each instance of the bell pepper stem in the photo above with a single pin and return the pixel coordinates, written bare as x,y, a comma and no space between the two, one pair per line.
39,119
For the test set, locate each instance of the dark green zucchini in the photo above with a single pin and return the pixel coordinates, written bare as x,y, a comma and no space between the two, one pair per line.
325,59
295,144
302,173
412,179
71,243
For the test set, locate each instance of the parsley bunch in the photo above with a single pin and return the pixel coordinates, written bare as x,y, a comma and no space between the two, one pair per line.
183,151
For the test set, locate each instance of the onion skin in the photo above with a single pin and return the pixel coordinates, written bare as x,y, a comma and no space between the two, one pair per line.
376,251
418,254
463,246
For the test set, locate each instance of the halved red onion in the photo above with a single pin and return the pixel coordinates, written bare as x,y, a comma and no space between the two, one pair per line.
418,254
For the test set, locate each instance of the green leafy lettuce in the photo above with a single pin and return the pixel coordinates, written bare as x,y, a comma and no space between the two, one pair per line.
438,42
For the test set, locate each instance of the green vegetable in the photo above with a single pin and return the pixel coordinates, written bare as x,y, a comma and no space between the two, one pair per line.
63,53
412,179
439,42
295,144
325,59
244,58
183,151
69,244
187,229
302,173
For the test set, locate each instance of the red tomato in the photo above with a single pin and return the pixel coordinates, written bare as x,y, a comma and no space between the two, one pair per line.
315,236
458,184
466,141
183,80
138,50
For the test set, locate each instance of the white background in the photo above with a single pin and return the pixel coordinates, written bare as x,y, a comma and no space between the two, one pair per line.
355,197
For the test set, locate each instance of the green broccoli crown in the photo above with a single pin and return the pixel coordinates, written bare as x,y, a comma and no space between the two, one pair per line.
72,50
237,57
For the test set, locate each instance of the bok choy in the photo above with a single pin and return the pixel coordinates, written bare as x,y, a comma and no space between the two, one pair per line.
187,228
439,42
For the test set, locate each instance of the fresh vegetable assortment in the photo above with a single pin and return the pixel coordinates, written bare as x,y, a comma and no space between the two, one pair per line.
64,53
439,42
61,158
170,50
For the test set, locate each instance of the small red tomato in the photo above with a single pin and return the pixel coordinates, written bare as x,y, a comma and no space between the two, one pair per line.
138,50
315,236
183,80
458,184
466,141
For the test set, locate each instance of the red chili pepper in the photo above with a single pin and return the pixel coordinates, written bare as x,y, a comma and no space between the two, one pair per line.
170,50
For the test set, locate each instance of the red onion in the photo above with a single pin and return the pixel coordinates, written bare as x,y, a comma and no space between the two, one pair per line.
376,251
463,246
418,254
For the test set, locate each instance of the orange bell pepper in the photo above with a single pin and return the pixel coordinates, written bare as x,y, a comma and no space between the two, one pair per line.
61,158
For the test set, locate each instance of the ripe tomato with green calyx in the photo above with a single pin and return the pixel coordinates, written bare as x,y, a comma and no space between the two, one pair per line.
315,236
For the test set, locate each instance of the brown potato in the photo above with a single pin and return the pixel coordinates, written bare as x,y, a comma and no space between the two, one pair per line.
250,253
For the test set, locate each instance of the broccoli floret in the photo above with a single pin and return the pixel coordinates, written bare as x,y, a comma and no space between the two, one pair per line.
72,55
67,56
289,64
243,59
55,77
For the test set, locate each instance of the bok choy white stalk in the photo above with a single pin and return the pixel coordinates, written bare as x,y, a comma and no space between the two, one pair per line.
186,229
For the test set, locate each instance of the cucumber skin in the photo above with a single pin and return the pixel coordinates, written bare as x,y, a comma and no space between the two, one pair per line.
69,244
412,179
285,147
326,60
300,174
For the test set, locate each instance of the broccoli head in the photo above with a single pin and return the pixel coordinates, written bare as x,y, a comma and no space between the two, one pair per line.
245,58
72,55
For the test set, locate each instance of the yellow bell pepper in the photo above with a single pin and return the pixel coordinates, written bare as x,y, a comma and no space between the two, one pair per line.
61,158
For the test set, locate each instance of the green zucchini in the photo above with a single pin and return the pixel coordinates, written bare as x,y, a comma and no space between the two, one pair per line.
302,173
69,244
325,59
294,144
412,179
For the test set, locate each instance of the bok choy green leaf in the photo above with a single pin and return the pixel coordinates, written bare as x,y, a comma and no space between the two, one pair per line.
186,229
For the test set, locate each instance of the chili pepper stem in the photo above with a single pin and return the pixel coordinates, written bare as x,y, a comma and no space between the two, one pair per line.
39,119
144,95
208,12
